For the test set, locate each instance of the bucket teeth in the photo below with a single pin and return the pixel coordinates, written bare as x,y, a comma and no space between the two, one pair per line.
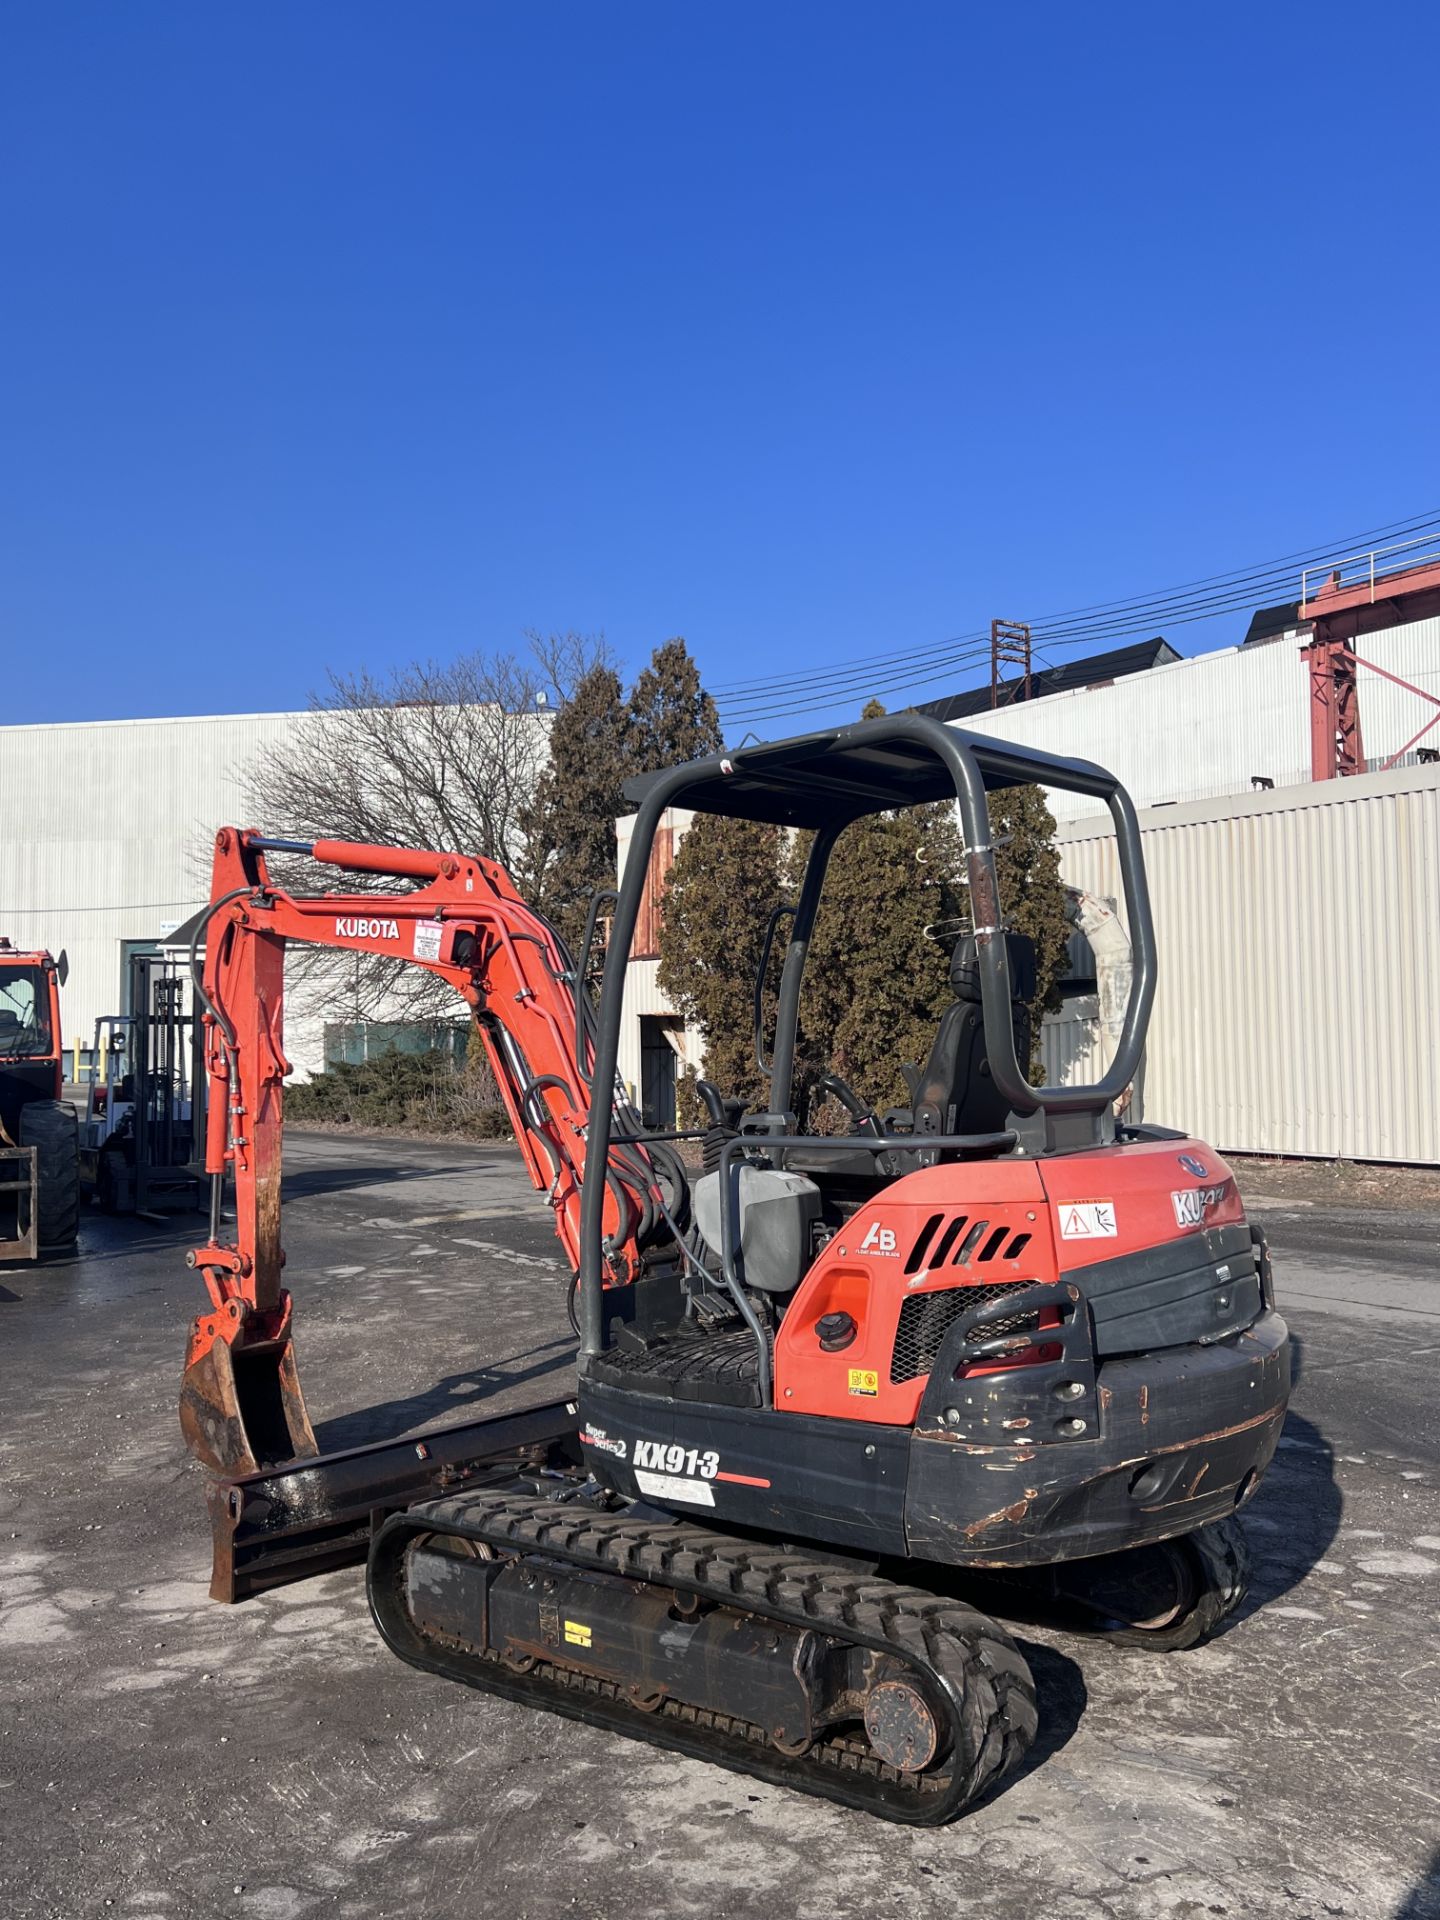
242,1408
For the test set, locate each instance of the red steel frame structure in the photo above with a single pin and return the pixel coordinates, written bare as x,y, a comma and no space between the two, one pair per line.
1339,613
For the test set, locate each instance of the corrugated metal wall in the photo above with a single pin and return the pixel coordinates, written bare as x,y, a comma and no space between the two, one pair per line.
1299,937
1298,1007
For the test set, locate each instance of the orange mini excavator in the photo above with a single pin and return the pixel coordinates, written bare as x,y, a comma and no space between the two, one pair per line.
826,1385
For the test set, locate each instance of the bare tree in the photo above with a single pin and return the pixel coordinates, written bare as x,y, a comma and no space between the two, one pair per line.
440,755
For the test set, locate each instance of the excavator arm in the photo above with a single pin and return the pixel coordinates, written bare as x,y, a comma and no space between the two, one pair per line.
242,1406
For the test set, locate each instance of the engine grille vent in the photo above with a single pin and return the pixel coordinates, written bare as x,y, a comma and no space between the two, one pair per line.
962,1241
926,1318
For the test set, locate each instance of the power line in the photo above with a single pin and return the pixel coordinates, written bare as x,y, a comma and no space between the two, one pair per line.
944,670
1171,610
881,681
1419,523
1254,572
785,695
919,674
1226,591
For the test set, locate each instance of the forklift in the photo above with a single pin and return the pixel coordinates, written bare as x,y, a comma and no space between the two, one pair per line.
144,1120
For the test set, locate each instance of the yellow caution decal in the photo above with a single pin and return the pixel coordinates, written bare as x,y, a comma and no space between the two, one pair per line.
576,1635
864,1380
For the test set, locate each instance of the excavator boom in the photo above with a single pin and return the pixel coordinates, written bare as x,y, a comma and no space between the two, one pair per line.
462,921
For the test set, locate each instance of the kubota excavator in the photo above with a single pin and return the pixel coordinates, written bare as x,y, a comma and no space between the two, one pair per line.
823,1384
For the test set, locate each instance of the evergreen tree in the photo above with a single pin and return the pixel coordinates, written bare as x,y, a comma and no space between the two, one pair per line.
1032,896
875,983
597,741
569,826
724,884
674,719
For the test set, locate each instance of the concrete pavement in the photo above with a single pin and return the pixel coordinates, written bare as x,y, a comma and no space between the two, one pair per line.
161,1756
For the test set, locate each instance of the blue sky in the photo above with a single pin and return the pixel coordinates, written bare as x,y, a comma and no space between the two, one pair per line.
337,335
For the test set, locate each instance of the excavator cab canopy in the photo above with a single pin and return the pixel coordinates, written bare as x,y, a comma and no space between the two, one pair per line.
899,760
823,782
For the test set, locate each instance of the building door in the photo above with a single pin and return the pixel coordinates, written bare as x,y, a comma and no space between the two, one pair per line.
657,1073
128,950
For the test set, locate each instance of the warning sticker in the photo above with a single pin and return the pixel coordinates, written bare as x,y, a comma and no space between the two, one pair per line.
1088,1220
672,1486
427,939
864,1380
577,1634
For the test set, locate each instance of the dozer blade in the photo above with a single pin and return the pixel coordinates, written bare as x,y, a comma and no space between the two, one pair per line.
241,1408
290,1522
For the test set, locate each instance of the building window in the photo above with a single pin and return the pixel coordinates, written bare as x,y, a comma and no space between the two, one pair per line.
352,1042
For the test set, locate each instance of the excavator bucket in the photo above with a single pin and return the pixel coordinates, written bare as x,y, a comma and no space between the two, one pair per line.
241,1408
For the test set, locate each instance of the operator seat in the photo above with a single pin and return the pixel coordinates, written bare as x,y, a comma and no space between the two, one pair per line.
955,1092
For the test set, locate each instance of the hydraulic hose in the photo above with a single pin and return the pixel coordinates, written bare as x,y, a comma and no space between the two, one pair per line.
227,1032
197,972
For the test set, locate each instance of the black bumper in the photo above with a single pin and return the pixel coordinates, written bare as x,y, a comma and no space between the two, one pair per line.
1171,1441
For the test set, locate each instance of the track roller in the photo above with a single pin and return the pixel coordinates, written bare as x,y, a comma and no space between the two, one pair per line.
879,1696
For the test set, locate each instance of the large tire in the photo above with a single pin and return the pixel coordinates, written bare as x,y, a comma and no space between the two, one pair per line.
51,1127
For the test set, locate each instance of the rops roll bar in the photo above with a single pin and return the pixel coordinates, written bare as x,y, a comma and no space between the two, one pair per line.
823,781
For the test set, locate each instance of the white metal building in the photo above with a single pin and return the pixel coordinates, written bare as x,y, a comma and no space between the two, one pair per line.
655,1042
106,848
108,826
106,842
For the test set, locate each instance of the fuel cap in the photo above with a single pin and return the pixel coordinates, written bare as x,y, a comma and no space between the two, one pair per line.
836,1331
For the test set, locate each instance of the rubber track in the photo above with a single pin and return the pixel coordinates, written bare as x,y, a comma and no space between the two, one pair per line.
975,1663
